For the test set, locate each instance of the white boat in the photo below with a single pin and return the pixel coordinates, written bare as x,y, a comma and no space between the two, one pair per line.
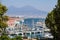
38,30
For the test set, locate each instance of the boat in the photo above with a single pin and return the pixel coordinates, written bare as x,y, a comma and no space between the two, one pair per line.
37,30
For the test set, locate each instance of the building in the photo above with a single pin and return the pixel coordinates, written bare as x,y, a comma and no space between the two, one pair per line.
12,20
38,30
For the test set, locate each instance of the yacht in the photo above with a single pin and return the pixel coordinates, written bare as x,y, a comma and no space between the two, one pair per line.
38,30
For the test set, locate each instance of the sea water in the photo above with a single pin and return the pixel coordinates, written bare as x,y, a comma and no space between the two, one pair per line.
29,23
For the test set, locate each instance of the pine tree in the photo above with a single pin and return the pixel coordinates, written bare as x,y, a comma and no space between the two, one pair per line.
3,18
53,21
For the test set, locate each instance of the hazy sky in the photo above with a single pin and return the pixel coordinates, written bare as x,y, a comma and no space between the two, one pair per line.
45,5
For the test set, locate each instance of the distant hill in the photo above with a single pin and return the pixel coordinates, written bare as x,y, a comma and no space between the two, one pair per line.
26,11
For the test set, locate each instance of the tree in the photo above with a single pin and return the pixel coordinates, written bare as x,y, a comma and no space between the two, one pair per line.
4,37
3,17
3,10
53,21
17,38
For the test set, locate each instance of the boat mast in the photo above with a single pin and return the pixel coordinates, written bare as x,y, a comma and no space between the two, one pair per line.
33,23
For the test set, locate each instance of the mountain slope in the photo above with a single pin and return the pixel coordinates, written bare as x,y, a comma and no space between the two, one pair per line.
26,11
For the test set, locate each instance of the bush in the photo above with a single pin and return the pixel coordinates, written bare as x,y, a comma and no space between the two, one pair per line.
6,37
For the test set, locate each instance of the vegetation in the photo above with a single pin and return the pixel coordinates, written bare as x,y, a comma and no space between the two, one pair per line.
5,37
18,38
3,25
3,18
53,21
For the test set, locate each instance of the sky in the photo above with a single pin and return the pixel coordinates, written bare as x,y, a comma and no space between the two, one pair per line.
45,5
